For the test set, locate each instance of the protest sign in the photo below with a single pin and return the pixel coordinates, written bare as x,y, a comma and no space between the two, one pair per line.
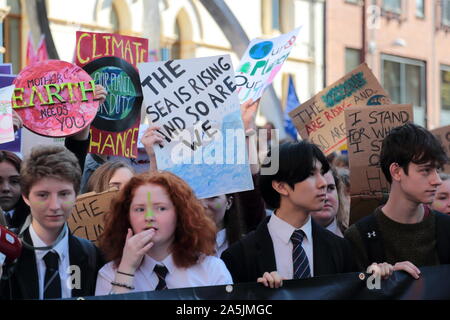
6,122
443,134
196,105
261,62
321,118
111,59
5,68
7,79
366,128
88,215
54,98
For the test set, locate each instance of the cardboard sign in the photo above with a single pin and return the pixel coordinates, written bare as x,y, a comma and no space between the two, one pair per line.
366,127
54,98
321,118
88,215
443,134
111,59
6,122
261,62
196,105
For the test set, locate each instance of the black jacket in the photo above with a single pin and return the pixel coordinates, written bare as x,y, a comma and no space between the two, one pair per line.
248,259
23,283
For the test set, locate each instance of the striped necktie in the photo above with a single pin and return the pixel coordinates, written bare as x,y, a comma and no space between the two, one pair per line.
161,272
299,258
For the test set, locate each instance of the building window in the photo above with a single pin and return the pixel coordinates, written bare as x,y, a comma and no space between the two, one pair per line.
276,14
12,35
445,95
446,12
175,50
352,59
404,79
114,20
392,5
420,8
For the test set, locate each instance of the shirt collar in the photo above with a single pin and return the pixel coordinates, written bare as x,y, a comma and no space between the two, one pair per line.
149,263
9,213
284,230
221,238
61,247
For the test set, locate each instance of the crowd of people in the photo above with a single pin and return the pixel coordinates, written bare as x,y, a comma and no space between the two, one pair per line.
158,235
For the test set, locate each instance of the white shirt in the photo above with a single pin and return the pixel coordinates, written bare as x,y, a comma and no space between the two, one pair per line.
221,242
280,231
333,227
210,271
62,249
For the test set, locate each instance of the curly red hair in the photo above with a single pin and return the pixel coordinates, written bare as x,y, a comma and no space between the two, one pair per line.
195,233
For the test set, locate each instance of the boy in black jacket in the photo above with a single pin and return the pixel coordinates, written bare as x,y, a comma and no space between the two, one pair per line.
53,264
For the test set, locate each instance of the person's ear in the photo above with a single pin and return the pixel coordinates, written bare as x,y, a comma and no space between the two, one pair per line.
27,201
395,171
280,187
229,202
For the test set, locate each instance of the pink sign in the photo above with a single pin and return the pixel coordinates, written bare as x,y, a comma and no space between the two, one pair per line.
55,98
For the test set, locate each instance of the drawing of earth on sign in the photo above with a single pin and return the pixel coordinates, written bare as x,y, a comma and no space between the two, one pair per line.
378,99
122,106
261,50
54,98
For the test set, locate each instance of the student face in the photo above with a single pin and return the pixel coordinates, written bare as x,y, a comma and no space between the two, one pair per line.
120,178
442,200
216,208
309,194
325,216
9,186
421,182
164,219
51,202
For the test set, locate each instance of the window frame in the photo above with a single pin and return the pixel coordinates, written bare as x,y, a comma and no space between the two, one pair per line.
423,80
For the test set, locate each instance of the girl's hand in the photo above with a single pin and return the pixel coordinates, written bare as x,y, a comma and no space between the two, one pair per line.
136,246
150,137
100,93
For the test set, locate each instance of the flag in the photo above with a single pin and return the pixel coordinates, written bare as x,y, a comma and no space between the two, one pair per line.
291,103
38,55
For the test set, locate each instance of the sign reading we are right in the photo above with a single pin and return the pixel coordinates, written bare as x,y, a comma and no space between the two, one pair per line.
321,118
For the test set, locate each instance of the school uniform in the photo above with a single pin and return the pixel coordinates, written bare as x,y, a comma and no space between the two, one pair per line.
210,271
269,248
27,278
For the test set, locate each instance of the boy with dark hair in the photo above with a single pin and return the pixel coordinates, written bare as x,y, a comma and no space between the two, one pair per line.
53,263
405,232
290,242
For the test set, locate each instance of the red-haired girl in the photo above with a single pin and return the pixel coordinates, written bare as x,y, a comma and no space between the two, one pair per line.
158,236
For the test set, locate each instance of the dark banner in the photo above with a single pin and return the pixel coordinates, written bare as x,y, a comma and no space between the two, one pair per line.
433,284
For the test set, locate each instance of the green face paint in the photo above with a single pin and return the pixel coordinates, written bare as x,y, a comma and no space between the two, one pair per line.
150,212
218,206
39,203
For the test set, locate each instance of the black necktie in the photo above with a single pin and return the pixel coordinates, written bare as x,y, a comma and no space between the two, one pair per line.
9,220
161,272
299,258
52,281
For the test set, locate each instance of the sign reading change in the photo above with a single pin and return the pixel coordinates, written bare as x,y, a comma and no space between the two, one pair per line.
54,98
321,118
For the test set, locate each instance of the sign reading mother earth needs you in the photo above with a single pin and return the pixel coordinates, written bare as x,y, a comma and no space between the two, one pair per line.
261,62
54,98
195,104
321,118
111,59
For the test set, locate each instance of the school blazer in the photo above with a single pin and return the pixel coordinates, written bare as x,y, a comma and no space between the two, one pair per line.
248,259
23,283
